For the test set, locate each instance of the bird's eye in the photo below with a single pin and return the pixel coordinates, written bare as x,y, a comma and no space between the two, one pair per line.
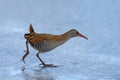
77,32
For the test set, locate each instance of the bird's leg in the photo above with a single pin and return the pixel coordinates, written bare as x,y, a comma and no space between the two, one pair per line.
40,59
43,63
27,52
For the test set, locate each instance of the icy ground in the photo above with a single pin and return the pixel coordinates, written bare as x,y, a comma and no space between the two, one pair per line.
95,59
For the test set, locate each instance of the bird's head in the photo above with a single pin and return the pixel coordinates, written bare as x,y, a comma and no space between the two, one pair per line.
75,33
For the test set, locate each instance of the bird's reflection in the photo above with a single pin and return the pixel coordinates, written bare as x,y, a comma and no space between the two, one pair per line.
40,73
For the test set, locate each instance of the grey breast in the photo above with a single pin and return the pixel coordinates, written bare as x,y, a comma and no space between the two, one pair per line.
47,45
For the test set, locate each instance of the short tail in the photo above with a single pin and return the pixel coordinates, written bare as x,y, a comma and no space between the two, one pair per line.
31,30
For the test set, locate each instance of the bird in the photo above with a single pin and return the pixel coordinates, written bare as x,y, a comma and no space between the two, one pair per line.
43,42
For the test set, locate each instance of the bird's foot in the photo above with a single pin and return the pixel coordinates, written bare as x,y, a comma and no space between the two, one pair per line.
23,60
49,65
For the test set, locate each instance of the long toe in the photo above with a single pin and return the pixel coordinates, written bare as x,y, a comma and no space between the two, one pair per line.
49,65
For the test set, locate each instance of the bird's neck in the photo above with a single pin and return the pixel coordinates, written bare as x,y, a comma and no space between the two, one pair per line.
66,35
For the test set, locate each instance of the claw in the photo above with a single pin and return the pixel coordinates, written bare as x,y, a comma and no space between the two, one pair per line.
23,60
25,51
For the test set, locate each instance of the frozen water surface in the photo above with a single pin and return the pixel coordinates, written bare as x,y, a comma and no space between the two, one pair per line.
95,59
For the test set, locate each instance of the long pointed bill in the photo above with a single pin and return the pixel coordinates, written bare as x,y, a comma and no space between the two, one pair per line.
82,36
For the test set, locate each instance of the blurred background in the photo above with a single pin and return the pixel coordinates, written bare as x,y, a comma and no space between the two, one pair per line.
80,59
